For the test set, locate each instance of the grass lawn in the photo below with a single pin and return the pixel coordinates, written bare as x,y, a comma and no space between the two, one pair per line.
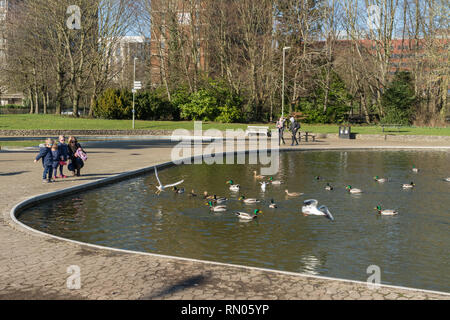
40,121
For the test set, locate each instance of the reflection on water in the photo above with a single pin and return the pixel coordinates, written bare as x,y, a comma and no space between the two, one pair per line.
411,249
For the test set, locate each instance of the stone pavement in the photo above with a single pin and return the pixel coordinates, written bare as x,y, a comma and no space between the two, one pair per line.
34,266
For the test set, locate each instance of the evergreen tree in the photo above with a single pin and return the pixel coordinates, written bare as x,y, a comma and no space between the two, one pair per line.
399,100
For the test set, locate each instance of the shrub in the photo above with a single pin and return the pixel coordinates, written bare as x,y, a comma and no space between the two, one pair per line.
399,99
150,105
114,104
201,106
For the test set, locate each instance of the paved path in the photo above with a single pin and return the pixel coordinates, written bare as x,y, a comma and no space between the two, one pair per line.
33,266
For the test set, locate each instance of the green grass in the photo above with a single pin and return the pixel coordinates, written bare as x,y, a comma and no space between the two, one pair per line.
41,122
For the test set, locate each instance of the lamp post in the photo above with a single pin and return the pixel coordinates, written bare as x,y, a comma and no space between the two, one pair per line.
134,83
282,97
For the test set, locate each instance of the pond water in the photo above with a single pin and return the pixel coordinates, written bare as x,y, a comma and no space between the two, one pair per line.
411,249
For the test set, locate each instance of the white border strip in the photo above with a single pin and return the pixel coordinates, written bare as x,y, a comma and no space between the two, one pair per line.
123,176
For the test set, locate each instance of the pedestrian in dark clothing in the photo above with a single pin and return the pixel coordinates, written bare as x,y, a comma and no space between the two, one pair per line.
64,153
45,153
56,159
280,126
76,163
294,127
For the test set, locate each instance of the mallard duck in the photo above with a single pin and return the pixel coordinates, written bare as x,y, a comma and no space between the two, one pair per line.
447,179
408,185
216,208
380,180
256,176
386,212
277,182
293,194
248,216
318,178
328,187
233,187
192,193
219,200
310,208
249,200
353,190
178,191
414,169
263,186
207,196
272,204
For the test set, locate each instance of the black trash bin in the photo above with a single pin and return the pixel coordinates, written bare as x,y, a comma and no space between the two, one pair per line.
345,132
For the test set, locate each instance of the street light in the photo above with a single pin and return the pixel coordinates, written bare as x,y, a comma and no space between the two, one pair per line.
134,85
282,98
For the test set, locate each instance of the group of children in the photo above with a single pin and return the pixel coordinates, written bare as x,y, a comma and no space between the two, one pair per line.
54,155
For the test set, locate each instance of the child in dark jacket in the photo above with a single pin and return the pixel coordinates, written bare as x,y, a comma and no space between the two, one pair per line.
63,152
56,159
45,153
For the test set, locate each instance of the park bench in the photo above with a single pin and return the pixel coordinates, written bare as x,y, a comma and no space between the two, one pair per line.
392,125
306,135
258,130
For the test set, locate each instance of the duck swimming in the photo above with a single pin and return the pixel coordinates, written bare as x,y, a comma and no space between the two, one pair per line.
277,182
380,180
408,185
386,212
256,176
249,200
353,190
272,204
414,169
328,187
219,200
310,208
248,216
293,194
216,208
192,193
233,187
179,191
207,196
447,179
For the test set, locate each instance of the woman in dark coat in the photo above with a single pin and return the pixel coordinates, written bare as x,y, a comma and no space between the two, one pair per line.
75,162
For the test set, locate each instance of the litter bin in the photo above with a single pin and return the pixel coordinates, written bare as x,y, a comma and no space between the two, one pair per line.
345,132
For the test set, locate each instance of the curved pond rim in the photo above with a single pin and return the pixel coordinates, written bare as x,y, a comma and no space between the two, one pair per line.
18,208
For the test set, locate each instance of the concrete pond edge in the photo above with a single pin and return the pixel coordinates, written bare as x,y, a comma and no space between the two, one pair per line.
25,204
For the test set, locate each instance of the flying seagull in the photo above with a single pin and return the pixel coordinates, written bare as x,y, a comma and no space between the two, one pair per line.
310,208
162,187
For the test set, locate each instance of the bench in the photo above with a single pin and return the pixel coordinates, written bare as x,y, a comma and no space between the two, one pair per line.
306,135
258,130
397,126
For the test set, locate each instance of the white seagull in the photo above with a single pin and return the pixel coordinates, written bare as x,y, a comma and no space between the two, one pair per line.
162,187
310,208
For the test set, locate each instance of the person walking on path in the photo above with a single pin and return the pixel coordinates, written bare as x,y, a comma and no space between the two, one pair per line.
63,152
74,151
45,153
294,127
280,126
